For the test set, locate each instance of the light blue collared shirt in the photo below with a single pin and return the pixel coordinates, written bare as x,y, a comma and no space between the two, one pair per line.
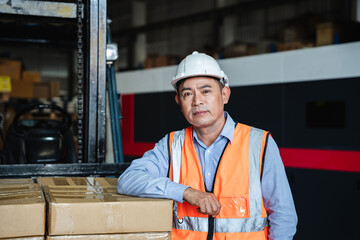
147,177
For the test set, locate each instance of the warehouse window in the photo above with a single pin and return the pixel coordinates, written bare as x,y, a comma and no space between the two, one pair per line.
325,114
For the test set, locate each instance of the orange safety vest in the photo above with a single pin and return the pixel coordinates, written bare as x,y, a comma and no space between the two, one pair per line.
237,186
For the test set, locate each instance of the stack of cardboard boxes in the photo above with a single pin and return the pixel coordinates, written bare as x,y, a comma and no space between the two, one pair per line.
160,61
27,84
90,208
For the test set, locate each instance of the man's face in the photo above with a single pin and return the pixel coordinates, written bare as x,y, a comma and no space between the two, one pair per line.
202,101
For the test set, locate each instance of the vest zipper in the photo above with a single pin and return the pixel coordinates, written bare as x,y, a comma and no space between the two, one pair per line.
211,220
211,228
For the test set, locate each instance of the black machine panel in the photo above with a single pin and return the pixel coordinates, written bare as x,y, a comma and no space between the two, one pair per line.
318,114
327,203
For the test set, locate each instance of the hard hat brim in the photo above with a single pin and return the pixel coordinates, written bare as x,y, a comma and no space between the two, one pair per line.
175,81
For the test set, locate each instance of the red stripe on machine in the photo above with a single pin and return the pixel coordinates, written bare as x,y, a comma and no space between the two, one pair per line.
336,160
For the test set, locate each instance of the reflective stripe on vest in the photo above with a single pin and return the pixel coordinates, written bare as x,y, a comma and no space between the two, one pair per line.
222,225
176,147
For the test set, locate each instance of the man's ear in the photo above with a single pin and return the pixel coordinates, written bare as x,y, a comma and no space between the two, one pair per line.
226,94
177,100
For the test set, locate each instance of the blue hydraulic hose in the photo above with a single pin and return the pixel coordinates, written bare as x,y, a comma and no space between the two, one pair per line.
114,110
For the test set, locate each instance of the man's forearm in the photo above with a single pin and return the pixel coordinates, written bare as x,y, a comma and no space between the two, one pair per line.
141,184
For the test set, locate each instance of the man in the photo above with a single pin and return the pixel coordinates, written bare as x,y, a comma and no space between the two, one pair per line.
227,179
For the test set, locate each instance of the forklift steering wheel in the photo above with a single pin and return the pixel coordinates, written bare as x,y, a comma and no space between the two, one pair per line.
62,128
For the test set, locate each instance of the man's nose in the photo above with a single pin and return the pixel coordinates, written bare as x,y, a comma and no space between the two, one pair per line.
197,99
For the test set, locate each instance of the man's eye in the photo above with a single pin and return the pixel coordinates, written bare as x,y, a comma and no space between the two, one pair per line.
186,94
206,91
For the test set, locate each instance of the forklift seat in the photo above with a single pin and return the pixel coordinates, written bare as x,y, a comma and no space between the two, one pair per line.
30,141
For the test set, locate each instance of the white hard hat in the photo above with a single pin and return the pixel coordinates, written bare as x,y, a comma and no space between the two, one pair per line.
199,64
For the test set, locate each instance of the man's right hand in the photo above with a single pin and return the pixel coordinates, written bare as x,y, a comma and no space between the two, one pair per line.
206,202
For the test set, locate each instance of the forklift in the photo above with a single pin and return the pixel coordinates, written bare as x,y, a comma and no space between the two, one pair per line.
95,79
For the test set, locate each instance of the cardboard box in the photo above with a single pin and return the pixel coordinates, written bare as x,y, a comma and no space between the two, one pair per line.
29,89
160,61
239,50
327,33
46,89
11,68
22,208
293,46
4,97
124,236
22,89
31,76
92,206
54,88
149,62
41,90
164,60
90,212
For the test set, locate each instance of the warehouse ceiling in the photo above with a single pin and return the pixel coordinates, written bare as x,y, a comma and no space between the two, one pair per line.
38,22
161,15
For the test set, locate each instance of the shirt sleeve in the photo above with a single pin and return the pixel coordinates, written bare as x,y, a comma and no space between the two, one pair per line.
147,176
277,196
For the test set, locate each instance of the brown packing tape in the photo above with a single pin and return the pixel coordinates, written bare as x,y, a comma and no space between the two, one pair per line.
64,189
50,181
63,181
16,194
105,182
78,181
124,236
99,185
21,198
76,195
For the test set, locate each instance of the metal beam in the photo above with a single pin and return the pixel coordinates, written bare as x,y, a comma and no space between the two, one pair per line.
101,132
74,169
96,87
38,8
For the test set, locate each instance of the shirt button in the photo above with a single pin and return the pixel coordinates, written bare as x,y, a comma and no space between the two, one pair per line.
208,151
208,174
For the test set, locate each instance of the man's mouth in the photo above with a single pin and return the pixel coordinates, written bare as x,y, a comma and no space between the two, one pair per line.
199,112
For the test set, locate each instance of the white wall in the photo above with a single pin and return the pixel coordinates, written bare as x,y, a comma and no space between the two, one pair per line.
319,63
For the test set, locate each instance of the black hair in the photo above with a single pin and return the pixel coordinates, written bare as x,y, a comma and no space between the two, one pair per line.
177,85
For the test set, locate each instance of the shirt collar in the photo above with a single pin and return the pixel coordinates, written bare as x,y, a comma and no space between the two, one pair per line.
229,127
227,131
